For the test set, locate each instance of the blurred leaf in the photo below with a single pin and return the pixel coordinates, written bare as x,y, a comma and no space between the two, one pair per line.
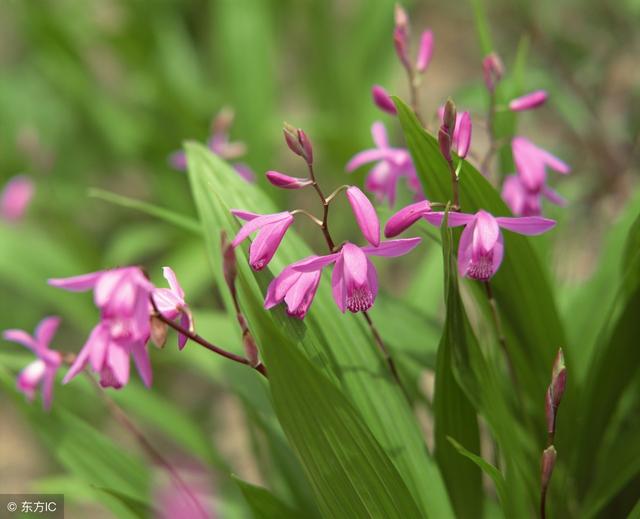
264,505
184,222
344,351
454,415
482,26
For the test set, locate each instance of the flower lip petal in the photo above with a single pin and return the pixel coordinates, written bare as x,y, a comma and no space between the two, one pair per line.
486,231
365,214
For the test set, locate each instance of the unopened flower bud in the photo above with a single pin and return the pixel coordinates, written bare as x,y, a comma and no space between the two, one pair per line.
425,51
229,267
286,182
298,142
401,34
444,140
382,100
548,463
555,391
493,69
449,117
158,331
528,101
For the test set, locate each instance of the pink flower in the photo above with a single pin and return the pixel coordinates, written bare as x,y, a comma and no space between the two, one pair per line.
122,295
481,247
526,203
271,229
286,182
461,138
493,69
296,289
219,144
354,280
528,101
392,164
406,217
425,51
171,304
366,216
16,197
531,163
42,371
382,100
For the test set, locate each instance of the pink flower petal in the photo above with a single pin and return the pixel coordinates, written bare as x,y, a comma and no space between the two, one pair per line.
529,225
21,337
379,134
77,283
256,223
143,363
393,248
47,387
366,216
406,217
425,51
46,330
338,286
486,231
553,196
382,100
285,181
174,284
464,135
314,263
454,220
15,198
365,157
528,101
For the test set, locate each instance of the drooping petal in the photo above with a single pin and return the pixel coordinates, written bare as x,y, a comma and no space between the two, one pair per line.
266,243
406,217
338,285
244,215
365,213
553,196
279,286
300,296
78,364
29,378
77,283
21,337
186,321
393,248
118,362
256,223
313,263
97,346
46,330
453,220
529,225
143,363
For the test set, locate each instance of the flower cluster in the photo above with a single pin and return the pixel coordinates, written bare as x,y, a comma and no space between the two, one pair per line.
220,144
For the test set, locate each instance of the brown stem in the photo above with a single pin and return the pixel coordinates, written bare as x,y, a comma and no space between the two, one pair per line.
414,84
325,210
121,416
260,368
543,503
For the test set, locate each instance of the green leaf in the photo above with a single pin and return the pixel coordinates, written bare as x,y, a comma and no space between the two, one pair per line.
453,413
166,215
491,471
263,504
343,351
521,287
482,26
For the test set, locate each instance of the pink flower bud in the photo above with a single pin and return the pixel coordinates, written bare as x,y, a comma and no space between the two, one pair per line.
493,69
555,391
548,463
366,215
382,100
298,142
464,135
15,198
449,116
528,101
406,217
401,34
286,182
425,51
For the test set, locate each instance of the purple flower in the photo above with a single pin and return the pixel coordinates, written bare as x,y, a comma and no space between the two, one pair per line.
296,289
523,202
42,371
528,101
122,295
171,304
461,137
286,182
531,163
481,247
382,100
392,164
15,198
354,280
219,144
271,229
366,215
425,51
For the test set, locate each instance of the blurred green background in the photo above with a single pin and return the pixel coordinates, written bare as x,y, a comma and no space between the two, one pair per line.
98,94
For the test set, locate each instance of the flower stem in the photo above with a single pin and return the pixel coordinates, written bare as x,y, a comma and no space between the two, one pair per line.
485,165
121,416
414,85
325,209
260,368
